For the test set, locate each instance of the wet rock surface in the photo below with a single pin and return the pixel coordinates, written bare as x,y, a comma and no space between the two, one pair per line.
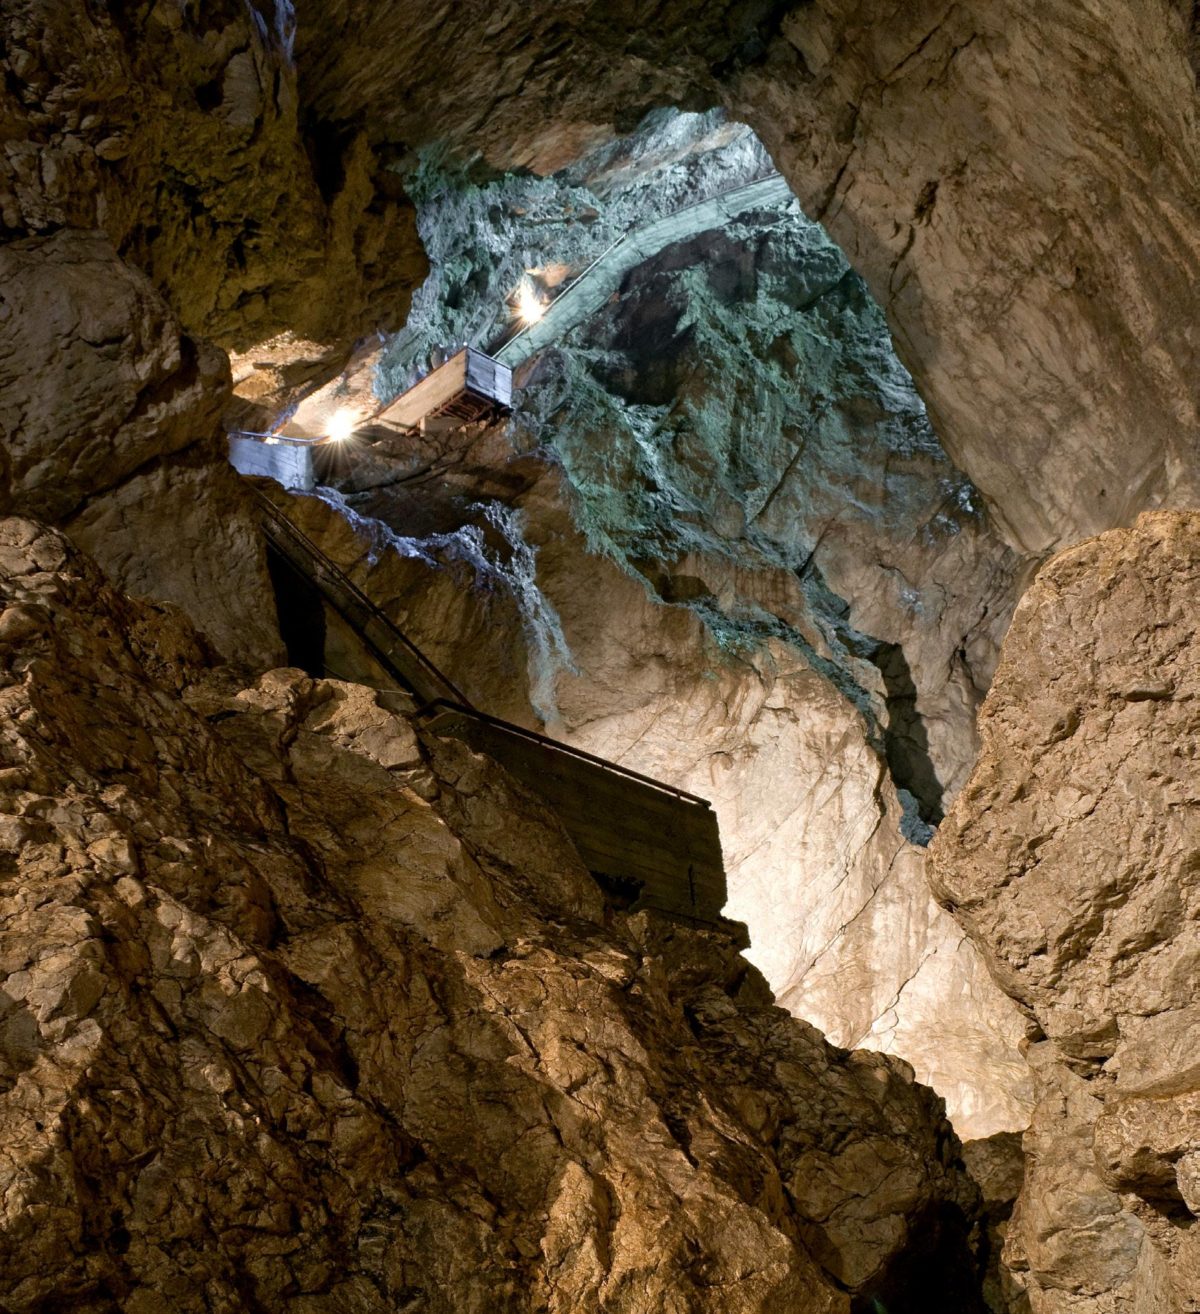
1070,858
305,1013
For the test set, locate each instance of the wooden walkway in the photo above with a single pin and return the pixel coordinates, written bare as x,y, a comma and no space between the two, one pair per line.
587,293
649,844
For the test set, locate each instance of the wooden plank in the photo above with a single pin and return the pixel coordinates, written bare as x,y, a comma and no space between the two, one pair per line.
591,790
656,816
447,712
428,394
655,861
485,383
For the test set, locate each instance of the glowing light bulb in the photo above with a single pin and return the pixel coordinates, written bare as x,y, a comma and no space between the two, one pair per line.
530,307
341,426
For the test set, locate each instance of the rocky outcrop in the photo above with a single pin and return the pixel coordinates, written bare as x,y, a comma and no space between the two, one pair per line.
96,378
1070,858
185,532
997,1165
1017,184
302,1012
723,545
840,915
1015,181
176,130
110,417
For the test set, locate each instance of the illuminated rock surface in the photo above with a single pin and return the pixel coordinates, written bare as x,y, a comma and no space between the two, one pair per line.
302,1013
1071,859
1016,184
735,436
111,422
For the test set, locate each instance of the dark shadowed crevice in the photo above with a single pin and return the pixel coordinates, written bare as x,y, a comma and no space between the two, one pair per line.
301,616
906,740
901,734
935,1274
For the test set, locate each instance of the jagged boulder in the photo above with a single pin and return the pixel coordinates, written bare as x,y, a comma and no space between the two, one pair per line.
1071,860
302,1012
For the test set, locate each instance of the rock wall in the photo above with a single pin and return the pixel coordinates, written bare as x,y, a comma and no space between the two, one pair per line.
176,129
159,193
110,418
841,918
1015,180
1017,184
300,1012
723,545
1071,860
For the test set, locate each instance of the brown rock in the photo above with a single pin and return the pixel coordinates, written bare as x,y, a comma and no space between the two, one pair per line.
276,1024
110,417
177,132
187,532
1070,859
96,379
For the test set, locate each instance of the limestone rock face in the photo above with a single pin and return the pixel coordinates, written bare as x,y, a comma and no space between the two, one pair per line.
1070,858
528,87
185,532
96,378
301,1012
1029,229
1015,180
109,416
176,130
841,918
723,545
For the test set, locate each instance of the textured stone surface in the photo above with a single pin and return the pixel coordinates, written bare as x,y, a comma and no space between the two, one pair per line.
737,439
301,1013
1015,180
1071,859
110,422
187,533
96,378
176,130
997,1165
841,918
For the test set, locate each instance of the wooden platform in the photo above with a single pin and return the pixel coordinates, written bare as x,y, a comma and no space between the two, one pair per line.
469,386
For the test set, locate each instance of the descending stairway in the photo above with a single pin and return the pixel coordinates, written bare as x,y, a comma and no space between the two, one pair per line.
656,846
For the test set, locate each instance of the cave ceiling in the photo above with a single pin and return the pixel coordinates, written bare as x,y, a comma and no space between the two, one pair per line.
1016,182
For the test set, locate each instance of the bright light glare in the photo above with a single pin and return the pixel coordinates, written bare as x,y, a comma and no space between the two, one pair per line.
530,307
341,426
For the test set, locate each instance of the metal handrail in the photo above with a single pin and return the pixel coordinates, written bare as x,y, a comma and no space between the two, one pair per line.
616,768
459,703
497,349
343,581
